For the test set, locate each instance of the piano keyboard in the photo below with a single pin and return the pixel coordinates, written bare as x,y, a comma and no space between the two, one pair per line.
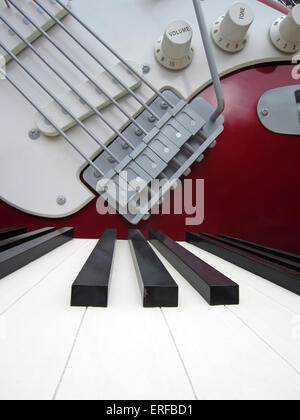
213,286
10,232
20,239
23,254
157,286
92,284
50,350
279,271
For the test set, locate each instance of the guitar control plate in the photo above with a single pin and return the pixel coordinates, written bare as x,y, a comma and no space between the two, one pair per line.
279,110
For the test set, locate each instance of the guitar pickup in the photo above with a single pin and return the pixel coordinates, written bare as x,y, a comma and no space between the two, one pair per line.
94,95
20,23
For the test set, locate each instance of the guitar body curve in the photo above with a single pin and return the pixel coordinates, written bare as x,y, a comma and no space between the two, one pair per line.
251,177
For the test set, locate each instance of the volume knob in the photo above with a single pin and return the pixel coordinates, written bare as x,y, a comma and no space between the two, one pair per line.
230,32
285,31
173,50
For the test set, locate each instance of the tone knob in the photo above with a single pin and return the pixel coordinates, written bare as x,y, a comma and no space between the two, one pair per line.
230,32
173,50
285,31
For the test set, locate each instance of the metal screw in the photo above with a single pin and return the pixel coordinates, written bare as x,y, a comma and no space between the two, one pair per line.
97,174
265,112
213,145
146,68
151,119
125,146
138,132
164,105
34,134
111,159
61,200
200,159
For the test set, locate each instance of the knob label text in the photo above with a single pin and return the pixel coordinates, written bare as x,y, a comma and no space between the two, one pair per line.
242,13
180,31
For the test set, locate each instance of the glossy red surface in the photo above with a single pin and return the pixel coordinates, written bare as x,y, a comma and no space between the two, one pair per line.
276,5
252,179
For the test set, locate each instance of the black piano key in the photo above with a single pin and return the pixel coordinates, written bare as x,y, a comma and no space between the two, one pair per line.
262,254
279,275
20,239
275,252
15,258
91,287
212,285
157,287
10,232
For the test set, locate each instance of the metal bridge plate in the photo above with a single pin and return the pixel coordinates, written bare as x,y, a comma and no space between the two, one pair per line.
171,146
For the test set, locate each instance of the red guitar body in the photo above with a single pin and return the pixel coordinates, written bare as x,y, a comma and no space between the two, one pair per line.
252,179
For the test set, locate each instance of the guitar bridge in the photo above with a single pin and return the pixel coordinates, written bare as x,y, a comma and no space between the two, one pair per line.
161,143
167,152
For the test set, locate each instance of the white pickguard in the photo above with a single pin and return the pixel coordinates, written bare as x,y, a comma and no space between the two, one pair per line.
34,173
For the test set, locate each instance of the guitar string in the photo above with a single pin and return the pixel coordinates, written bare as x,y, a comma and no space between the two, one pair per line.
114,75
91,79
54,97
71,87
112,51
74,89
40,110
132,93
207,47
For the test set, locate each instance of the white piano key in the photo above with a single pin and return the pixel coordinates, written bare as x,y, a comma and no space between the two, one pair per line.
274,320
40,331
283,297
13,287
226,359
125,351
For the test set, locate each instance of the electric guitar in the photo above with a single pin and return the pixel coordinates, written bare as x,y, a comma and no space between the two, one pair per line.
92,88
